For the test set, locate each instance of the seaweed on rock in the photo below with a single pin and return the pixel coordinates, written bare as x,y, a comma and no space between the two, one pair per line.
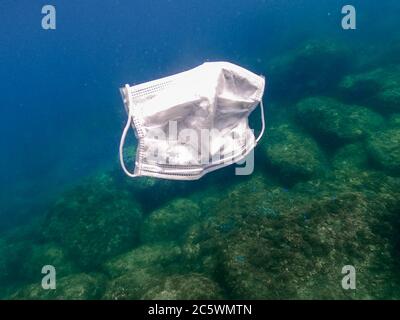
384,149
293,154
185,287
313,68
46,254
335,123
169,223
141,269
94,222
73,287
379,88
298,247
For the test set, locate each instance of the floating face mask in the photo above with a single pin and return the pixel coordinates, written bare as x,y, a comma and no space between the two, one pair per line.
193,122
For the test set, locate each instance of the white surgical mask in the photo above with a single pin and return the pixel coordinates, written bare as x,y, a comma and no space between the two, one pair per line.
193,122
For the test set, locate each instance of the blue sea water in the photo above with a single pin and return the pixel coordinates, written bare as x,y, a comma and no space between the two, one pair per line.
61,110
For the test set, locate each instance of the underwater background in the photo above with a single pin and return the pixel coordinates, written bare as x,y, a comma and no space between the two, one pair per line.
326,186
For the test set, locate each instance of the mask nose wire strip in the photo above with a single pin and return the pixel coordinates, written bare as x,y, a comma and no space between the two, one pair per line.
122,143
262,122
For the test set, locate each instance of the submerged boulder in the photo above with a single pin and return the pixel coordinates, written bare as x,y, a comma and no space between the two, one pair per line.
132,285
192,286
346,177
46,254
353,156
170,222
134,273
394,120
334,122
301,256
201,258
253,201
255,194
379,88
295,155
384,149
154,256
94,222
314,67
74,287
271,243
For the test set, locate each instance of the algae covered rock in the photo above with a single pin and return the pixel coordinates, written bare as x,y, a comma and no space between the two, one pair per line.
133,285
271,243
301,255
185,287
94,222
198,254
237,221
379,88
46,254
332,121
255,194
394,120
155,256
74,287
170,222
135,272
347,177
250,202
352,156
384,149
314,67
295,155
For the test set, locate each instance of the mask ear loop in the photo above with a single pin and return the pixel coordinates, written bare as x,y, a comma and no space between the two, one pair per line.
262,122
124,134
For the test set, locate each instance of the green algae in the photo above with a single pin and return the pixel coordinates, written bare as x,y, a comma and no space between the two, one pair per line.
394,120
132,286
378,88
46,254
295,155
335,121
384,148
313,67
351,156
94,222
74,287
185,287
170,222
154,256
